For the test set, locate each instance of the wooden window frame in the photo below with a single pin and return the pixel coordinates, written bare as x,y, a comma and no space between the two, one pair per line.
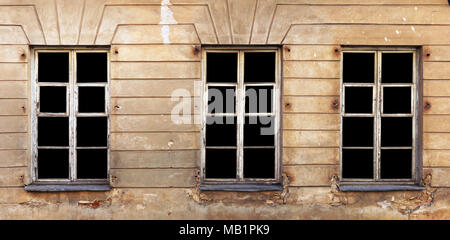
240,183
72,113
416,114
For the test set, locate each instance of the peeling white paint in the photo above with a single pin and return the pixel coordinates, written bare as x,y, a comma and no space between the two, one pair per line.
385,204
166,19
397,31
413,29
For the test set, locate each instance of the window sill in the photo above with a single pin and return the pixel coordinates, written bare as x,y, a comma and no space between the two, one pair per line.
379,187
40,187
241,187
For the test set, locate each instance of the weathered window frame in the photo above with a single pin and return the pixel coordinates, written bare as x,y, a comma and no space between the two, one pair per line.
378,184
71,184
241,183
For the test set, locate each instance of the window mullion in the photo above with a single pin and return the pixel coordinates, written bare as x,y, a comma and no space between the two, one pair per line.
240,116
72,120
378,104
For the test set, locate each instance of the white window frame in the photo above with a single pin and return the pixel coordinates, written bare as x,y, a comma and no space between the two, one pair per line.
377,113
240,114
71,112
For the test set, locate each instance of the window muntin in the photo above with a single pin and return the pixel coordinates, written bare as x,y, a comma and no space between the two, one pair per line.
70,125
379,145
238,151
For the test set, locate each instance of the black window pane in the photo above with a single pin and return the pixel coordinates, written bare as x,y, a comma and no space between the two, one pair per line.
52,99
92,163
92,67
221,67
396,163
259,131
53,163
53,67
53,131
92,131
221,99
259,67
358,99
220,163
358,131
258,99
259,163
357,163
359,67
396,131
91,99
396,99
397,68
221,131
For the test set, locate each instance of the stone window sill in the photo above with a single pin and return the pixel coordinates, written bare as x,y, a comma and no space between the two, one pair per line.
379,187
241,187
78,187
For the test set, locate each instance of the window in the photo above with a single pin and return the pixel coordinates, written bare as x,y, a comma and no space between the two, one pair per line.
379,116
71,119
240,116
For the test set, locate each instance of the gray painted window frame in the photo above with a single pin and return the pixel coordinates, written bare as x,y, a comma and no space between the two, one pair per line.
377,184
72,183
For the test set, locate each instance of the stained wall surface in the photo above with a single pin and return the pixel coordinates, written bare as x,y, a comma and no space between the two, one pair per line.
156,48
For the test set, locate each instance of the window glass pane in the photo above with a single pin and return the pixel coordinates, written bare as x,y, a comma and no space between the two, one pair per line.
397,68
259,163
53,67
221,67
53,131
259,131
91,99
359,67
220,163
221,131
358,99
396,131
258,99
259,67
357,132
396,99
396,163
357,163
52,99
92,67
53,163
221,99
92,163
92,131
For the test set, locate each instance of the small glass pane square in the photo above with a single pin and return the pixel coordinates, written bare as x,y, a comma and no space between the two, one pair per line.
53,67
53,163
92,131
357,132
358,100
220,163
92,67
397,100
221,67
52,99
397,68
221,99
91,99
358,67
259,67
53,131
258,99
